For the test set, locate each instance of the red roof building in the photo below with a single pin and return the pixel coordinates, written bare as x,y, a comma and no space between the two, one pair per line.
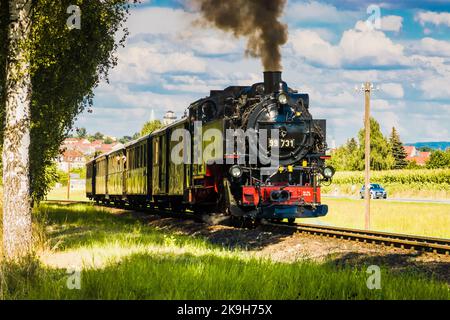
420,157
72,158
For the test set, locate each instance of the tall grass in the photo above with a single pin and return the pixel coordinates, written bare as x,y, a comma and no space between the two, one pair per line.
146,276
423,176
142,262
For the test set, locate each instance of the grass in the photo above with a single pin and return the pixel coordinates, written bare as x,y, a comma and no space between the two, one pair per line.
427,219
61,194
121,258
185,276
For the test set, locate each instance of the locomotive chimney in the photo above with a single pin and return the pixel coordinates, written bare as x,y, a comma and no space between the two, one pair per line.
272,80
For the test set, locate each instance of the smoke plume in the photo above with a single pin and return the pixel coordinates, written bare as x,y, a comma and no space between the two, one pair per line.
255,19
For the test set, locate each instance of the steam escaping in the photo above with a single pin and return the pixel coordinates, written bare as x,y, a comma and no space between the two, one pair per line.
255,19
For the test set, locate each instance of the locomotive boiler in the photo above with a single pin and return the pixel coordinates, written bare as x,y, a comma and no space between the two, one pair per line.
252,152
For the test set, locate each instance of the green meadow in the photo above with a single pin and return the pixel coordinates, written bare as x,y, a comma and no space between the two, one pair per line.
119,257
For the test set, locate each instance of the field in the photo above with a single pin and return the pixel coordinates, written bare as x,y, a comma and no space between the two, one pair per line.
121,258
61,194
418,184
427,219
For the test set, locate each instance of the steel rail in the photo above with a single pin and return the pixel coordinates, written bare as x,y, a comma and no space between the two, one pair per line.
420,243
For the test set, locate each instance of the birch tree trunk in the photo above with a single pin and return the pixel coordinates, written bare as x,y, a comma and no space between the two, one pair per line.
17,235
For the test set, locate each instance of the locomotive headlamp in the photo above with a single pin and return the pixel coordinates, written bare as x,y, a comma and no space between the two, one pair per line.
282,98
236,171
328,172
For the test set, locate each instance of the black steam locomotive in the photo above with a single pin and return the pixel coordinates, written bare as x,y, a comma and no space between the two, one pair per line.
206,161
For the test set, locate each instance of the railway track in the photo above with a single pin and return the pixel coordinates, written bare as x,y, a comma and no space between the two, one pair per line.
419,243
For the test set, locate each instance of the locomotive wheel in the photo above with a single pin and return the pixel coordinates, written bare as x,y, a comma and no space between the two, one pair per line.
244,222
177,208
291,220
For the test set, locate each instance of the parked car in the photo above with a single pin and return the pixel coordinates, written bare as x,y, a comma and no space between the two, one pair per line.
376,191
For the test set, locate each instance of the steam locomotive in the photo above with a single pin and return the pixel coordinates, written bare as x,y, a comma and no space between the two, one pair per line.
206,162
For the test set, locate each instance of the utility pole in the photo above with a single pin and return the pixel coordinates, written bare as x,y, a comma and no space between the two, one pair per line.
367,88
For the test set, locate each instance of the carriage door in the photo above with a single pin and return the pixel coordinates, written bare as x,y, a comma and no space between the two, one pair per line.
155,165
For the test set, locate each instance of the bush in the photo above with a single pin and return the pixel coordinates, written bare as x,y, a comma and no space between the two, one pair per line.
420,176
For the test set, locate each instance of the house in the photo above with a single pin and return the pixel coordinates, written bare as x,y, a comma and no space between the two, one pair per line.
420,157
77,151
71,158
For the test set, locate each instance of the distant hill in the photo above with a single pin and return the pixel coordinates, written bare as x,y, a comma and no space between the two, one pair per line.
443,145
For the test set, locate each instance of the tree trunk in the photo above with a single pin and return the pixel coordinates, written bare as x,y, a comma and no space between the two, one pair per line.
17,235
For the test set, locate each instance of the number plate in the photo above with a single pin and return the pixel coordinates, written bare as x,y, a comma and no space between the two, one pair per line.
282,143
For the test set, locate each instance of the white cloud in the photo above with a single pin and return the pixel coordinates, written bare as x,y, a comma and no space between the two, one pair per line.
391,23
394,90
389,118
310,45
314,11
358,46
436,87
435,18
158,20
371,47
433,47
141,63
210,43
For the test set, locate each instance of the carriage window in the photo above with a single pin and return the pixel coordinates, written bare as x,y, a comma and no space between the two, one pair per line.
208,111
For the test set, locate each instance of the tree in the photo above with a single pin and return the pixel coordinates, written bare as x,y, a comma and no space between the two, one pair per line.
351,155
346,157
125,139
380,154
108,140
81,133
150,126
62,66
67,65
397,150
98,136
17,239
439,159
425,149
412,165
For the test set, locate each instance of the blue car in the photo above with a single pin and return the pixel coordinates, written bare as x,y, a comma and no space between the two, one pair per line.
376,191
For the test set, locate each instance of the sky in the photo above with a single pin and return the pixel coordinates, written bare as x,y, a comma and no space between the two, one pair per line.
169,62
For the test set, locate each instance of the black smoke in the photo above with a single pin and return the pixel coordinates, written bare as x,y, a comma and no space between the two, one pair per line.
258,20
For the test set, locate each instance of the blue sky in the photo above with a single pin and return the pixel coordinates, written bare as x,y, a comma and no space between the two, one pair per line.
333,45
